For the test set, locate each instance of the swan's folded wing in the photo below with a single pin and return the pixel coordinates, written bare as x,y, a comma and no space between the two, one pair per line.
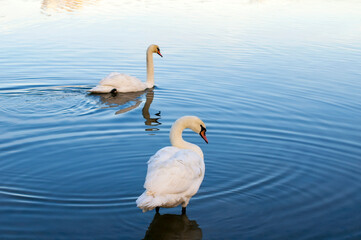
172,170
119,80
112,77
162,155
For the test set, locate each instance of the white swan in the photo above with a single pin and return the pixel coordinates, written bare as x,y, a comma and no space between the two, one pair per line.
175,173
118,82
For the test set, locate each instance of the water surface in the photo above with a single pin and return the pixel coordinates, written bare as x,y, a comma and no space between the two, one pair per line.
276,82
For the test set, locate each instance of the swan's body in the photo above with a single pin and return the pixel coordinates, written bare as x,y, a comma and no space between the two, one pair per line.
118,82
175,173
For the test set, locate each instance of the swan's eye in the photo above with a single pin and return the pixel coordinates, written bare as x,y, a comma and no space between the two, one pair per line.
158,50
203,129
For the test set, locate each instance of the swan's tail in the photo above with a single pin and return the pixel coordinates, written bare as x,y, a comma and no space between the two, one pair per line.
101,89
148,201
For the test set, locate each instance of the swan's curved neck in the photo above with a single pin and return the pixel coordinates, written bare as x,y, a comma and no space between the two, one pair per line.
176,138
150,68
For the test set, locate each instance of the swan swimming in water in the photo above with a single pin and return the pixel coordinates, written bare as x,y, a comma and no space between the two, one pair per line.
118,82
175,173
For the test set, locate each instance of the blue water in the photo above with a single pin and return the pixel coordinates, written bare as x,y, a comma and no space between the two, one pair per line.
278,84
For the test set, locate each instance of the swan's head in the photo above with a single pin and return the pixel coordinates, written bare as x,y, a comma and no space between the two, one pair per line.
195,124
155,49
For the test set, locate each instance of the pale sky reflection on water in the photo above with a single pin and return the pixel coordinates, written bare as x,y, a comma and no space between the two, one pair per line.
19,15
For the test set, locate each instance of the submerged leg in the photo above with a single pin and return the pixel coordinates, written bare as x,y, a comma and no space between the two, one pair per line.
183,210
157,209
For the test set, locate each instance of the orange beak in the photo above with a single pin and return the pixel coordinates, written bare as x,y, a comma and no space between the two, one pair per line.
203,135
159,54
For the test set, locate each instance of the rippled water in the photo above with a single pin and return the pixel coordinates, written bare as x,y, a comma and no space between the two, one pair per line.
276,82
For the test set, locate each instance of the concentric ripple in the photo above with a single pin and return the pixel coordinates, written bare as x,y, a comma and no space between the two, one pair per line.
46,162
94,160
43,102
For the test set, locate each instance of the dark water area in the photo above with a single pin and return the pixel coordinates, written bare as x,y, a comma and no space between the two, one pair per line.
278,84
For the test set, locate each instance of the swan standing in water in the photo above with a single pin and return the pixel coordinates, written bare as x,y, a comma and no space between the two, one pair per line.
176,172
118,82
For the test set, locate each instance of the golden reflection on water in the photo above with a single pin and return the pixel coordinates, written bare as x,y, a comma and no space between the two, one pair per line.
172,226
64,5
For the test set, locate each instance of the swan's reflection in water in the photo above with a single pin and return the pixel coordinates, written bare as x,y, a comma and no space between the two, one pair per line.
130,101
172,226
149,121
